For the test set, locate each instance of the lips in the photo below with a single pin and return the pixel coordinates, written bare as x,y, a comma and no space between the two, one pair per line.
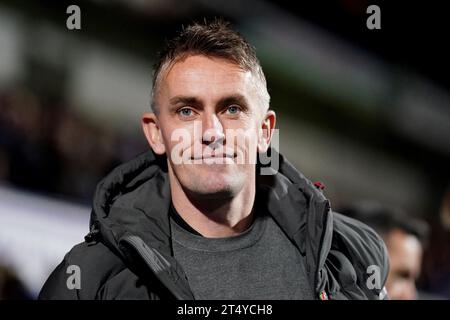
215,156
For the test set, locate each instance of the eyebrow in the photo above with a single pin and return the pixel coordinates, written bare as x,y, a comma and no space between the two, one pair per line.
238,99
184,99
232,99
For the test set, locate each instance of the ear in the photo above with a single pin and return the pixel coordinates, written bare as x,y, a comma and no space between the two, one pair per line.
266,131
153,133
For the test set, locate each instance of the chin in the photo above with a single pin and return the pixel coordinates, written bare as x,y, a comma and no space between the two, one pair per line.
215,185
211,181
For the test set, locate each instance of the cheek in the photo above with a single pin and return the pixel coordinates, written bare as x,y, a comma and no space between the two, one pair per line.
246,146
179,143
176,136
245,129
251,140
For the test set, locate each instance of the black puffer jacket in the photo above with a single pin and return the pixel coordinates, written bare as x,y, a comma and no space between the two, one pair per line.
128,253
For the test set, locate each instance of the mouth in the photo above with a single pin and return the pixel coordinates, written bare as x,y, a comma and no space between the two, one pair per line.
216,156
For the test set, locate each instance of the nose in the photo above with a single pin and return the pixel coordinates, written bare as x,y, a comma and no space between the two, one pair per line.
212,130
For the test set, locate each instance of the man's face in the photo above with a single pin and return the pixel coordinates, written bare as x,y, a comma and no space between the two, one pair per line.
405,255
201,101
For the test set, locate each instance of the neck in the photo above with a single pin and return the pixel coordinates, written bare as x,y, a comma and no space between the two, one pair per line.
218,217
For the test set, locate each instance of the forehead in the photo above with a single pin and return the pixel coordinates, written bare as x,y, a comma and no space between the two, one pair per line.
207,76
404,248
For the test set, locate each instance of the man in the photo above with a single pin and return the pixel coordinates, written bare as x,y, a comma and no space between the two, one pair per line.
197,217
405,238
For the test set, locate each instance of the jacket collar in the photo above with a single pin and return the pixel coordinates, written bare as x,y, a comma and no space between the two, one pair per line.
303,213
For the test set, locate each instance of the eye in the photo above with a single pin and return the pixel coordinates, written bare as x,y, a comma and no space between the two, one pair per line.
233,110
185,112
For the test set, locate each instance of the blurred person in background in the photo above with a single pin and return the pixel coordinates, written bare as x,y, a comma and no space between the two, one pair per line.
405,238
445,210
436,268
50,147
26,160
84,152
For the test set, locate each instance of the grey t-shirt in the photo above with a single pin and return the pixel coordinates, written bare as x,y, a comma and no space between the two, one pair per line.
260,263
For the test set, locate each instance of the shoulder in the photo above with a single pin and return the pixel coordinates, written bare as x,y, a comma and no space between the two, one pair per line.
83,271
364,249
359,239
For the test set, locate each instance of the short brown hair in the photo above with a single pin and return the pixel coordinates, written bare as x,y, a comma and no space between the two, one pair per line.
216,39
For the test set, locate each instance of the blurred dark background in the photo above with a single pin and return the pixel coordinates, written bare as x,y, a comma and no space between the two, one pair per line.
364,111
